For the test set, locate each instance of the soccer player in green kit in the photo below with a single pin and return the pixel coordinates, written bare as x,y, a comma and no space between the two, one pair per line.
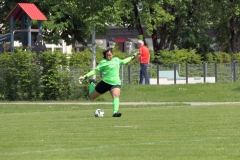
110,67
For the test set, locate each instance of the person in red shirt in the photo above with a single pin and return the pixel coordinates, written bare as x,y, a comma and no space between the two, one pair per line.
144,59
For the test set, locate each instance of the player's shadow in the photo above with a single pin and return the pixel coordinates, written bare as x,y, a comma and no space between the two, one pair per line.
236,89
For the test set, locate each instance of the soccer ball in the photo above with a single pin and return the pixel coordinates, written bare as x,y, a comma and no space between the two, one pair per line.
99,113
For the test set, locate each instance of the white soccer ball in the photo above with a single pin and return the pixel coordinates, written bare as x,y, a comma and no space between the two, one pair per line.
99,113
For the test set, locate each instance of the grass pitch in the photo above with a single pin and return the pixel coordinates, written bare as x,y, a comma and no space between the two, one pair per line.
153,132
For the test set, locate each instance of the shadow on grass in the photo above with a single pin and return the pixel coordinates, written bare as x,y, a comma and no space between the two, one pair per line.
236,89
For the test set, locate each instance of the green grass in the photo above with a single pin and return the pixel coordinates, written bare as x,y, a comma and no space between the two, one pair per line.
173,131
152,132
210,92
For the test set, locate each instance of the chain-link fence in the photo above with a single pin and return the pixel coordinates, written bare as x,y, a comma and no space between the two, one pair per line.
129,74
63,83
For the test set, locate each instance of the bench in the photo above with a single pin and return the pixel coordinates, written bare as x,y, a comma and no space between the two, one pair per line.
167,77
169,74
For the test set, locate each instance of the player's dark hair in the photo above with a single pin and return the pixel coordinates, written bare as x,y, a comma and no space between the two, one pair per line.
106,51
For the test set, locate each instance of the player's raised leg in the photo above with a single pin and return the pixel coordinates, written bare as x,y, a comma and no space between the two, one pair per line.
91,87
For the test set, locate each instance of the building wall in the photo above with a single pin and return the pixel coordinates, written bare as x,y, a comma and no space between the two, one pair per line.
121,35
61,46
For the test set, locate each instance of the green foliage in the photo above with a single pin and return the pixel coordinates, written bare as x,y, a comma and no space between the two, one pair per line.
182,56
8,77
166,58
56,78
54,75
225,18
27,74
210,58
19,76
236,57
65,87
153,14
220,57
182,23
118,53
141,37
152,55
81,59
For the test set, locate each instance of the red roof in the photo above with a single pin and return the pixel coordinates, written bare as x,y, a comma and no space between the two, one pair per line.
29,8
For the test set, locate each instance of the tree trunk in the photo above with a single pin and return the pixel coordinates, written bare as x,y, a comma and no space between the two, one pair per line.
138,22
154,40
163,36
233,37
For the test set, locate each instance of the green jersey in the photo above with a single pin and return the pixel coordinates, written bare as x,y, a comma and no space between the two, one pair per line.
110,70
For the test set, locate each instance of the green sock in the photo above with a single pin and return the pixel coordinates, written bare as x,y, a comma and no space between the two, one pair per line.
115,105
91,88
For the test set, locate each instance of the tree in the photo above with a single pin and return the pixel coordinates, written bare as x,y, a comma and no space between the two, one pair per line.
155,16
180,23
189,28
149,15
173,22
71,20
225,18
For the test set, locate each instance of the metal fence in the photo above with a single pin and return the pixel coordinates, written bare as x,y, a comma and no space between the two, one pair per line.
129,74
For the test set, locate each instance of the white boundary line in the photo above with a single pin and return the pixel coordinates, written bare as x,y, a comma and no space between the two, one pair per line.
109,146
121,103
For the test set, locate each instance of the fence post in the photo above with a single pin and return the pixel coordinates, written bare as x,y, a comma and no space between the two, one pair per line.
122,74
175,74
145,77
234,71
129,81
157,73
150,71
204,72
215,66
186,72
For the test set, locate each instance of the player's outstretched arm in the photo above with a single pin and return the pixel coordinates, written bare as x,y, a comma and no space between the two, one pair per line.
126,60
89,74
82,78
